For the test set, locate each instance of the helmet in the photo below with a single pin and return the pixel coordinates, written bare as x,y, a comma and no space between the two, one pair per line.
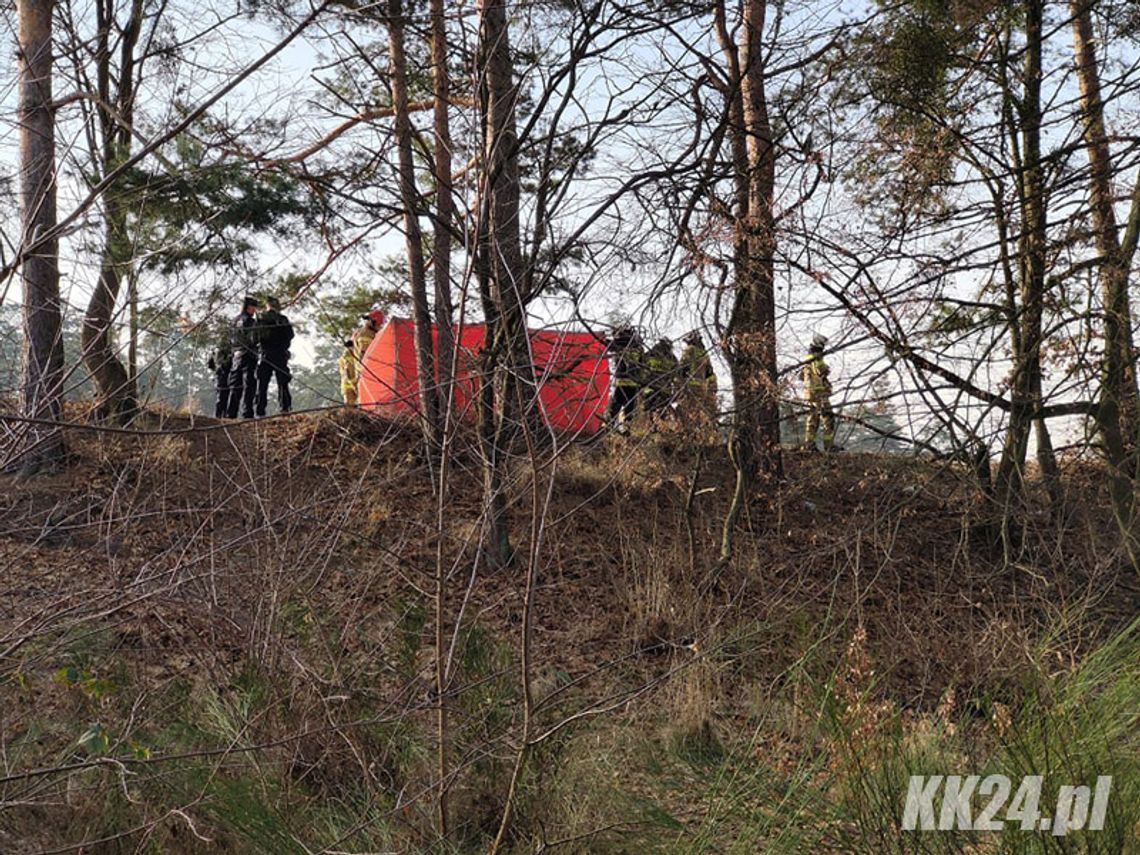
273,302
376,317
693,337
818,341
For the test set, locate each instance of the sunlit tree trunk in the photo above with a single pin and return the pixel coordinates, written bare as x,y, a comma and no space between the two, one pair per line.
1117,412
503,305
42,368
445,354
444,204
413,236
750,341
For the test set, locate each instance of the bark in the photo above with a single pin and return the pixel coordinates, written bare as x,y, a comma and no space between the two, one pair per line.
444,210
133,344
750,342
1025,391
115,112
504,379
445,355
413,237
1117,413
42,354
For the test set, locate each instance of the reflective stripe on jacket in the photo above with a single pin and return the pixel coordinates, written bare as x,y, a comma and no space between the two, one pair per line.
815,376
349,367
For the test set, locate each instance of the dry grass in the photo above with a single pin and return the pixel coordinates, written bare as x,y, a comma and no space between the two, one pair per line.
246,614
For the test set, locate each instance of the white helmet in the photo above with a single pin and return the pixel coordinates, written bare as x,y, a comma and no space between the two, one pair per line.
819,340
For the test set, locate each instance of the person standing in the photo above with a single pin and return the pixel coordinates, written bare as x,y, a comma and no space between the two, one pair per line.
698,401
661,365
349,366
817,394
243,361
219,364
274,335
627,358
362,336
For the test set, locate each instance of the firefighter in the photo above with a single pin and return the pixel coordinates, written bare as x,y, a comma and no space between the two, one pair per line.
243,360
661,370
219,363
817,394
349,365
274,335
698,402
362,336
627,358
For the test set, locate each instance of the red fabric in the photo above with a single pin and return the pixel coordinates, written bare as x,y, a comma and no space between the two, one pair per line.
570,368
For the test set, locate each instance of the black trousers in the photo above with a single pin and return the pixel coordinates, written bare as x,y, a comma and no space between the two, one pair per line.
243,385
221,392
624,401
274,365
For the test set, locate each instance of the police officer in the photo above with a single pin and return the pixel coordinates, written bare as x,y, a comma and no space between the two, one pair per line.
817,393
219,363
243,360
274,334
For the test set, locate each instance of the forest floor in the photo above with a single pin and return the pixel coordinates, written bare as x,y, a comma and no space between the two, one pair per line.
221,637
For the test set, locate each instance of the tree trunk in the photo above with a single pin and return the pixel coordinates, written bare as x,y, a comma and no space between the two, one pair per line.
413,237
503,304
112,381
750,341
42,355
1025,392
445,355
133,344
1117,414
115,112
444,210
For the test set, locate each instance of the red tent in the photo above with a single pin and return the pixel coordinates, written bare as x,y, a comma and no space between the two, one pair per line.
571,369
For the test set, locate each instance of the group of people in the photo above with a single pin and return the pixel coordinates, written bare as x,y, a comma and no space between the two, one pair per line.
255,351
654,381
252,352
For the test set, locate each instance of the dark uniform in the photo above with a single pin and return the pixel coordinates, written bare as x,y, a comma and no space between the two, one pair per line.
219,363
243,365
627,363
662,366
274,334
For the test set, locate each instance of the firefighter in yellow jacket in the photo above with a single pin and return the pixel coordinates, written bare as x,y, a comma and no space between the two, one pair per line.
349,365
817,394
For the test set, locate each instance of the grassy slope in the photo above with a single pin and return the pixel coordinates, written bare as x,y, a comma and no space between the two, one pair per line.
241,619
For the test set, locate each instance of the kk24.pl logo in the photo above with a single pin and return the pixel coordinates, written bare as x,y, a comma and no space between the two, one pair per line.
945,803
